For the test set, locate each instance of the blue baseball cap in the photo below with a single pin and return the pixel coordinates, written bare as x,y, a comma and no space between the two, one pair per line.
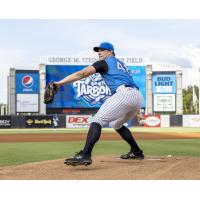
104,45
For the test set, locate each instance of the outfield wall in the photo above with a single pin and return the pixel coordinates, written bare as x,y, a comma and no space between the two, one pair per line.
81,121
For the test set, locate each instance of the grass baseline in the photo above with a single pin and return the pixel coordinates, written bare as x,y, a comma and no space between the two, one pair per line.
19,153
169,130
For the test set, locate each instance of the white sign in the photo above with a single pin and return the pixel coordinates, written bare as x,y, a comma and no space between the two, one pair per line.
63,60
78,121
152,121
27,103
164,89
165,122
164,102
191,120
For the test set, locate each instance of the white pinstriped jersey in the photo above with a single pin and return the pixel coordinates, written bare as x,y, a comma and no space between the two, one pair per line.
126,99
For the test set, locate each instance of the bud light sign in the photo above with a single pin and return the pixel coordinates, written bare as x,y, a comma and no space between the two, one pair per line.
164,83
27,83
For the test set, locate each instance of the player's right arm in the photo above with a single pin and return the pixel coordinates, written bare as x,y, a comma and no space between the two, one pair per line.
77,76
99,66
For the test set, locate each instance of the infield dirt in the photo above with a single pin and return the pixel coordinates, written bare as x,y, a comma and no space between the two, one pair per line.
56,137
108,168
104,167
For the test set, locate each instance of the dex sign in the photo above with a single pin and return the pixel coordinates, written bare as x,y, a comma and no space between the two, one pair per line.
78,121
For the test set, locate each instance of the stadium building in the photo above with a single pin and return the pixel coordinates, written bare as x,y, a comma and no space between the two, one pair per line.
160,85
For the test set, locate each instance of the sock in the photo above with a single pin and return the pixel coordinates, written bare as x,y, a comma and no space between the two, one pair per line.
125,133
93,136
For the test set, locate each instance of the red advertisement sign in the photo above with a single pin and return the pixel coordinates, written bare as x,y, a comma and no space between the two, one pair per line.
78,121
152,121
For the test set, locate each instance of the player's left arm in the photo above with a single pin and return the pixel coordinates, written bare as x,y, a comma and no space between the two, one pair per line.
77,76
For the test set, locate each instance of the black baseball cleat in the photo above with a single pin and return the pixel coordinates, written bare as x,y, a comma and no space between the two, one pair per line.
133,155
79,159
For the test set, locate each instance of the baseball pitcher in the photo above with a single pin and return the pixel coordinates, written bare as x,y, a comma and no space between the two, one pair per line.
123,104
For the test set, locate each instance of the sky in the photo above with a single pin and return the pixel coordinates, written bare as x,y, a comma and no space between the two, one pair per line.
24,41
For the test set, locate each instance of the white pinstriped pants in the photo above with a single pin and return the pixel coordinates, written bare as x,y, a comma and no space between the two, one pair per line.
119,108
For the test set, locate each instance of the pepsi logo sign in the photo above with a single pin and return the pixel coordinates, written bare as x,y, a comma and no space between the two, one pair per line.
27,81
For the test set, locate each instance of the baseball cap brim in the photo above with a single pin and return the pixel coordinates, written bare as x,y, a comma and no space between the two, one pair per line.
96,49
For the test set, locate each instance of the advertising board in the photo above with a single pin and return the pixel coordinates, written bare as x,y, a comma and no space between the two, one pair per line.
39,121
163,83
5,121
90,92
164,102
27,103
152,121
27,82
165,120
191,120
78,121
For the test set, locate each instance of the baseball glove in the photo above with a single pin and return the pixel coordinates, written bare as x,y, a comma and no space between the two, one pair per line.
50,92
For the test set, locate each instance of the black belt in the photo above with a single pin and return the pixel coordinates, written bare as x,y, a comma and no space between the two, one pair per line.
131,86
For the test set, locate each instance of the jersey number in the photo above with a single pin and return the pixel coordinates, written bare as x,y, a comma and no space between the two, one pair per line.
122,67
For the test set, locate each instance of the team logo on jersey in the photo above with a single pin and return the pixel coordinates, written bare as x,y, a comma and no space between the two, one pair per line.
27,81
93,89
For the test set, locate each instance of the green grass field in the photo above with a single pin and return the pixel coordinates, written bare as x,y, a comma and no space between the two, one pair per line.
180,130
19,153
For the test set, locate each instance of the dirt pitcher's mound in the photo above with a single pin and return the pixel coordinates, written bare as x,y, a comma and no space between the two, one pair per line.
108,168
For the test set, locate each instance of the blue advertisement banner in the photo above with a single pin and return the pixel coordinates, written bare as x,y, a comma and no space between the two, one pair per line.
139,76
90,92
164,83
27,83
